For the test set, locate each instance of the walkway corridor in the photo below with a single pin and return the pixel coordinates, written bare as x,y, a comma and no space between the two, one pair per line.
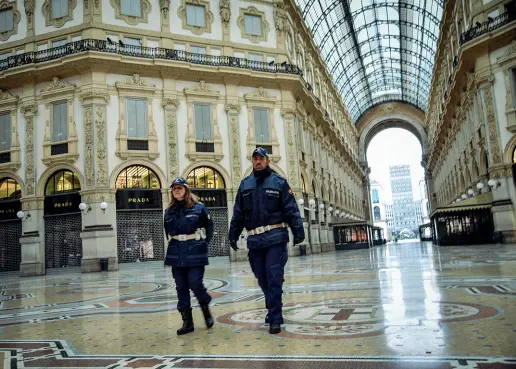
405,305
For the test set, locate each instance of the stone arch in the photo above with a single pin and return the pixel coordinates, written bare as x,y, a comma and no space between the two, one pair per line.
467,176
40,186
316,194
508,153
204,163
484,161
274,167
474,169
129,163
304,179
16,177
397,120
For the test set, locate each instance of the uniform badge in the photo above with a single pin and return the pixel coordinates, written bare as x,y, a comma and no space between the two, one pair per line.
290,191
209,216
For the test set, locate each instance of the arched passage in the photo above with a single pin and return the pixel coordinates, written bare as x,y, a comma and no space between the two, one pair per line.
139,214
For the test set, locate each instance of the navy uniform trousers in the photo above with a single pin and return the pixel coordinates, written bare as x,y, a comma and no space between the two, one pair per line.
268,266
190,278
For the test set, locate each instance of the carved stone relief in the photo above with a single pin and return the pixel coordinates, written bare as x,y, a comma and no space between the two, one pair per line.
171,106
29,111
89,170
101,160
236,166
494,142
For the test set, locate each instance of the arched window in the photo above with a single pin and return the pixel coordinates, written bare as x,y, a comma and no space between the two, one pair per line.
514,156
62,181
375,196
205,177
303,185
137,176
9,189
377,215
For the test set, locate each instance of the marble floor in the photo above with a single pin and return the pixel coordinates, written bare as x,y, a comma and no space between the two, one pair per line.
404,305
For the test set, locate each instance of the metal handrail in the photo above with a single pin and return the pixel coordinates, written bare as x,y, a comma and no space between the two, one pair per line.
487,26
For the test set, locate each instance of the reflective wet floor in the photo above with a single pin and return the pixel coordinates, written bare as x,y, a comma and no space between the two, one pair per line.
404,305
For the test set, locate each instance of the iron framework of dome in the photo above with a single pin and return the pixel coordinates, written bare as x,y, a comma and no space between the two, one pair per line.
376,51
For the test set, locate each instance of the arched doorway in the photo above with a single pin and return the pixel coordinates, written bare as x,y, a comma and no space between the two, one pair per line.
139,215
63,222
10,225
209,185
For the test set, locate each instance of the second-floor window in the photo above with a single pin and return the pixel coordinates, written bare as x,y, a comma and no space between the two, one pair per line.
253,25
136,118
60,121
6,20
132,8
195,15
58,43
197,50
202,116
59,9
261,125
256,57
375,197
5,132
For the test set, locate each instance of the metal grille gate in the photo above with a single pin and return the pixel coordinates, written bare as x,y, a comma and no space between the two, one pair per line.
10,248
219,245
140,235
63,243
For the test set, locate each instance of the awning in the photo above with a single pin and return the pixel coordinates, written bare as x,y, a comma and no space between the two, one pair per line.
483,201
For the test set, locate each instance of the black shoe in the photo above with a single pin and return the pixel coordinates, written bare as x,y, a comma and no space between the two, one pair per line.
275,328
188,325
207,315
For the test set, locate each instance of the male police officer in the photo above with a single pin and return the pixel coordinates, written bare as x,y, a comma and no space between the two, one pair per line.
265,205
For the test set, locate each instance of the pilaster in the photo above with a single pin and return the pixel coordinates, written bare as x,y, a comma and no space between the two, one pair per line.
33,239
171,104
29,110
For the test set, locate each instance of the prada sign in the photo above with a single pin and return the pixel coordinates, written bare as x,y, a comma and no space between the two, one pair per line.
9,208
138,199
212,198
65,203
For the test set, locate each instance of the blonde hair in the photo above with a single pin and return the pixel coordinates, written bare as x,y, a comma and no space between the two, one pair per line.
190,198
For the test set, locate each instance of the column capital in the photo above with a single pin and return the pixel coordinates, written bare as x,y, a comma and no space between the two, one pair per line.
29,109
170,103
94,96
233,108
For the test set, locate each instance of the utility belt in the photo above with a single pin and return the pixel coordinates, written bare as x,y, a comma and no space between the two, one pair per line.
264,229
200,234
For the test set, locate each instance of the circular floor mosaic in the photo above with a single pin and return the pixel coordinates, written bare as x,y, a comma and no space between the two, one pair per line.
346,318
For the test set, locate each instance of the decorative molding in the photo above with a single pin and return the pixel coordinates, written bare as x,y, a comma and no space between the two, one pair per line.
94,94
89,161
57,22
56,85
208,16
234,139
281,19
202,93
171,106
164,5
5,5
291,150
145,9
225,11
101,145
492,126
241,24
135,87
98,195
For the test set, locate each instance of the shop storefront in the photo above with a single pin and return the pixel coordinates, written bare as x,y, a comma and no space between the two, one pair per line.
209,186
139,215
63,222
10,225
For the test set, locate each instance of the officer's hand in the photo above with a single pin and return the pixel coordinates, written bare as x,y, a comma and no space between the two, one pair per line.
298,240
233,245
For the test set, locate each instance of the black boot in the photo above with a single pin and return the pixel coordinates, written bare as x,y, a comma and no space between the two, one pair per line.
275,328
188,325
207,315
267,316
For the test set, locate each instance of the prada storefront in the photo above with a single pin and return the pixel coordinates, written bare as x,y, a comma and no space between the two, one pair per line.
209,186
139,215
10,225
63,221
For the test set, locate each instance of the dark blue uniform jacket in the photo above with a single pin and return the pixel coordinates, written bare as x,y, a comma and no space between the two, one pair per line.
264,198
180,220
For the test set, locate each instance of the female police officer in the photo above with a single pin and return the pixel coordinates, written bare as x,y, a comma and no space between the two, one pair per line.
187,251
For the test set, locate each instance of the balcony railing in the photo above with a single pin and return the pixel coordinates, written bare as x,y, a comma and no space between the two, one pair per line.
81,46
487,26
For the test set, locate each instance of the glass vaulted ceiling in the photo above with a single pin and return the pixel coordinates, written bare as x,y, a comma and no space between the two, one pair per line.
376,50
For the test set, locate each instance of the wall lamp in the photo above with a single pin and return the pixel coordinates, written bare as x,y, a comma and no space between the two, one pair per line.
321,206
104,206
494,184
300,202
311,202
471,192
480,185
84,208
23,216
464,196
337,212
330,209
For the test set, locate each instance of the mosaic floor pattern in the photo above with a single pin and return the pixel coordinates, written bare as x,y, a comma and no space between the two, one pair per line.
405,305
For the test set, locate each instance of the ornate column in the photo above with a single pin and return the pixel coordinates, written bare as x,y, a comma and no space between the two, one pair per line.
171,105
99,226
29,11
33,239
233,110
225,18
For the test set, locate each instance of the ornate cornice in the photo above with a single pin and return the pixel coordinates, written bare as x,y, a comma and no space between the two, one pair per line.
94,94
57,84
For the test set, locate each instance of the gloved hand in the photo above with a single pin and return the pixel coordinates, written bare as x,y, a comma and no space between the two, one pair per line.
233,245
298,240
